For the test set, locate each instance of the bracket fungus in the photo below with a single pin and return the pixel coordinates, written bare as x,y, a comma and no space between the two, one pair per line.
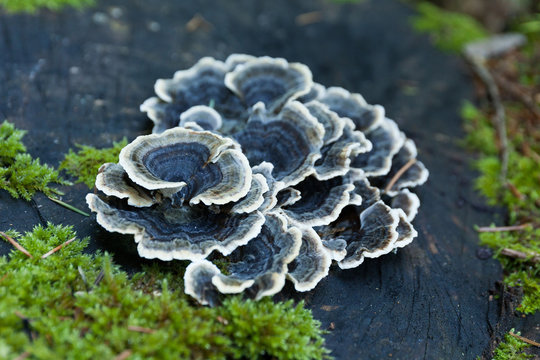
251,159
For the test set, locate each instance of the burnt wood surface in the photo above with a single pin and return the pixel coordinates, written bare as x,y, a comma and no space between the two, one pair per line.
79,77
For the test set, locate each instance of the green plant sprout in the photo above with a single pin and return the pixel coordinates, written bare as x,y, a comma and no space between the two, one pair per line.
450,31
20,174
511,349
75,305
32,6
85,163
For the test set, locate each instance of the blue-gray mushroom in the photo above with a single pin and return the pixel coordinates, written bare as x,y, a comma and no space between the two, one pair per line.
252,164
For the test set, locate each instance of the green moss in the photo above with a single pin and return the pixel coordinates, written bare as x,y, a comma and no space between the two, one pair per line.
85,163
511,349
449,30
524,273
520,195
57,308
31,6
522,192
480,133
20,174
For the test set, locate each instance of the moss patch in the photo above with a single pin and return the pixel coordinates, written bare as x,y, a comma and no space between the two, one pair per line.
450,31
85,163
520,195
31,6
76,303
511,349
20,174
518,248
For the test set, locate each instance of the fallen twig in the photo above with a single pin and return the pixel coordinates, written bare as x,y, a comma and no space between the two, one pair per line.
123,355
308,18
16,244
198,22
515,191
23,356
57,248
399,174
99,278
141,329
516,92
524,339
69,207
503,228
20,315
477,54
535,258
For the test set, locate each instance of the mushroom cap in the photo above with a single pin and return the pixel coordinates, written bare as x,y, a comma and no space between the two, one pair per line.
312,263
369,194
254,199
272,81
406,232
386,140
199,165
335,248
290,140
198,282
336,156
415,175
408,202
332,123
274,186
315,91
353,106
202,84
204,116
170,232
369,232
260,266
236,59
250,158
376,236
321,202
112,180
288,196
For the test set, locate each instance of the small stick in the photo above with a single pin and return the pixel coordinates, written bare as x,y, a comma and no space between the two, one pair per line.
198,22
141,329
16,244
23,356
521,255
514,190
399,174
57,248
69,207
477,53
308,18
123,355
99,278
524,339
517,92
20,315
503,228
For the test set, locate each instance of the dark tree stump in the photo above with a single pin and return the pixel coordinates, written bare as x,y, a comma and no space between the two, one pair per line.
79,77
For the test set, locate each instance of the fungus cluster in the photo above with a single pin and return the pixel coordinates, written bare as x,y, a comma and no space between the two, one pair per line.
253,165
